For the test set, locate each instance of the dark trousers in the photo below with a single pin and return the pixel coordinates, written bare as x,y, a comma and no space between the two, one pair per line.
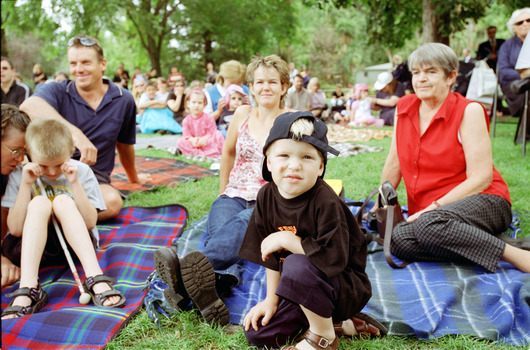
301,283
462,231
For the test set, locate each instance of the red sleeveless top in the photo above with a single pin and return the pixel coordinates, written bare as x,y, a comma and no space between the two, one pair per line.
434,163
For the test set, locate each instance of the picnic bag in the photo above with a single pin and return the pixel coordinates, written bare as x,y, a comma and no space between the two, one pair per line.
386,217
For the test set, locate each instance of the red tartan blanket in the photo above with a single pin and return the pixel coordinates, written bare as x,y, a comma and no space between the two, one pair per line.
128,243
163,171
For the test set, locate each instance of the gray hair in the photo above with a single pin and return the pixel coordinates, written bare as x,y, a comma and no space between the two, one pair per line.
435,54
511,22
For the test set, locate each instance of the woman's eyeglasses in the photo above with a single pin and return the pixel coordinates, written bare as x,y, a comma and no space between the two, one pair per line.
521,22
15,152
83,40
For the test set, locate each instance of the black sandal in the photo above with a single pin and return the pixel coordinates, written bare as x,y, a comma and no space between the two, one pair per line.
99,299
38,297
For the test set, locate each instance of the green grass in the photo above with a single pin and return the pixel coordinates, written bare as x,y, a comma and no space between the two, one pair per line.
359,174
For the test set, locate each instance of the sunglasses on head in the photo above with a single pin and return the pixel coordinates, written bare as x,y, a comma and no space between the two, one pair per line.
521,22
83,40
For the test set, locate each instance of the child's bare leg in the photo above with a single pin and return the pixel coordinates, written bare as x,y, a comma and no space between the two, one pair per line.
320,326
76,233
34,237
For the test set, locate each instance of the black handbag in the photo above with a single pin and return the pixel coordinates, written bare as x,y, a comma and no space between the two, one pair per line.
387,215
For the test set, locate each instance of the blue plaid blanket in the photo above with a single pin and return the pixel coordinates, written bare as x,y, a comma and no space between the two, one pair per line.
428,300
128,243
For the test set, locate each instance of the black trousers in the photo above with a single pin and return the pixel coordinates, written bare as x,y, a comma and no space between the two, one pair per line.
301,283
462,231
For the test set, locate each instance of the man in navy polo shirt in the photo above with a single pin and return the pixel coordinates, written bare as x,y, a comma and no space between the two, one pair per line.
100,115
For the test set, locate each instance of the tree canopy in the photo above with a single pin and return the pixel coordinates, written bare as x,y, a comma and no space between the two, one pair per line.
332,37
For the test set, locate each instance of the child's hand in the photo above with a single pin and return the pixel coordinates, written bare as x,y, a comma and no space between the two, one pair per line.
202,141
30,173
275,242
221,104
265,308
70,171
193,141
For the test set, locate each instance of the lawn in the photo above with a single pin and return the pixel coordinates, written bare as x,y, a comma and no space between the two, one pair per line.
359,174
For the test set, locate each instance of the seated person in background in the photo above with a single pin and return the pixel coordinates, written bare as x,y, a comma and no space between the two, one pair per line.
298,97
317,99
200,136
231,72
176,101
211,74
519,25
60,76
173,77
119,78
14,124
150,98
39,77
138,89
75,204
308,240
361,109
389,90
162,89
489,48
235,95
338,100
153,115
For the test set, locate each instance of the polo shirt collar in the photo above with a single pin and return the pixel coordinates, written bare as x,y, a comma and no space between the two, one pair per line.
112,92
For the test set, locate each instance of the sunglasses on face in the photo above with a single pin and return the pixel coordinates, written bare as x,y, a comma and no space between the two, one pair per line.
83,40
15,152
521,22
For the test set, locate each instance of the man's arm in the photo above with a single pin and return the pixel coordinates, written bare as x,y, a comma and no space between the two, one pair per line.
127,159
37,107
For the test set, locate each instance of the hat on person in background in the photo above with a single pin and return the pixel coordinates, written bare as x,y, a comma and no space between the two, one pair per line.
358,88
383,79
235,88
281,129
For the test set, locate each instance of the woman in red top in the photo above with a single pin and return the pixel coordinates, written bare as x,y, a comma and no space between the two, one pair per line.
459,204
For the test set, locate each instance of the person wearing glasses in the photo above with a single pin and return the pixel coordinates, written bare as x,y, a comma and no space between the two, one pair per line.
14,124
100,115
518,25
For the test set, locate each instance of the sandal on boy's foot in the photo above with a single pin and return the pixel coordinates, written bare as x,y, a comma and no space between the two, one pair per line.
365,326
318,342
167,266
38,297
99,299
198,278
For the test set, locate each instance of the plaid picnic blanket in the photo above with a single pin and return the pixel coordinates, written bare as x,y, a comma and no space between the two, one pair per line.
128,243
428,300
163,171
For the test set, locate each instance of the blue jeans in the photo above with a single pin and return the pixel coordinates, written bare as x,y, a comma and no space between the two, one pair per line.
227,224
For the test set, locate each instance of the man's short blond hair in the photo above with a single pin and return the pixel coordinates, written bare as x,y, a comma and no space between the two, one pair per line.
49,139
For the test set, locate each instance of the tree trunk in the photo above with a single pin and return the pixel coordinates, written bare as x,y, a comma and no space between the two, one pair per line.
429,22
4,43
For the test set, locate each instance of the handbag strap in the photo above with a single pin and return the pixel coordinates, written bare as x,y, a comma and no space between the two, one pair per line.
388,237
359,215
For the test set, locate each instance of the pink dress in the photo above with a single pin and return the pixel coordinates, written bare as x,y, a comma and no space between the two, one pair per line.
363,114
199,127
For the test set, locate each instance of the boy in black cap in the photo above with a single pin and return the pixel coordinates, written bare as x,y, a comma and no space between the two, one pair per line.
310,243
